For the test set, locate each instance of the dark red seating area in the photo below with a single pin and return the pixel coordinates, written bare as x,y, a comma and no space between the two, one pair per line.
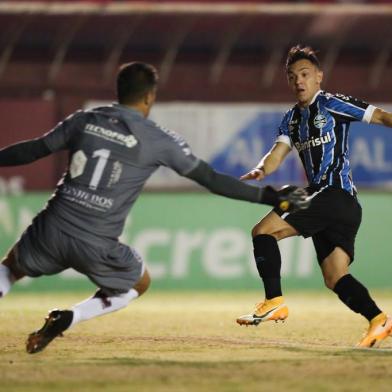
202,57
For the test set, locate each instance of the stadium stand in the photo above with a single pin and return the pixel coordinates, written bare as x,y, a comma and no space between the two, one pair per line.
231,51
67,52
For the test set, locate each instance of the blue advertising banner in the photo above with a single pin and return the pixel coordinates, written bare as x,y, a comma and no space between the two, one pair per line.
371,155
255,139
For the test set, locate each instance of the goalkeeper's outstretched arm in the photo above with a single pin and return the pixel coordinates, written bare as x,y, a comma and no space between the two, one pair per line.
224,185
24,152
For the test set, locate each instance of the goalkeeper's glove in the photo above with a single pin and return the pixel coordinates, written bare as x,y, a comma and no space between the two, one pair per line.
292,198
289,198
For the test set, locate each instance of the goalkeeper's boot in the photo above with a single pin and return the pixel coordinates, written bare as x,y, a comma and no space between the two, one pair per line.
56,322
380,328
271,309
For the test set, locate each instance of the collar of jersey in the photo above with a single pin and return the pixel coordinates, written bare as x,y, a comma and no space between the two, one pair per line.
315,96
127,109
313,99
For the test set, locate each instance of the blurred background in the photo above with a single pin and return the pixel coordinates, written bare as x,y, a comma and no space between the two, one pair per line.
222,87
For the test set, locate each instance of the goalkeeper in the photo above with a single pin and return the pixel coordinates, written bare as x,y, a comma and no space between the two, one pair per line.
113,150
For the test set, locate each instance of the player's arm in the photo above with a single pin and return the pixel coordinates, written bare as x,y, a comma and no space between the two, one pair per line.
381,117
269,163
174,152
28,151
24,152
348,108
287,198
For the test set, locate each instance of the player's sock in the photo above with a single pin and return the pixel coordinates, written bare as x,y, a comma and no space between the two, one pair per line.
100,304
6,280
356,296
268,262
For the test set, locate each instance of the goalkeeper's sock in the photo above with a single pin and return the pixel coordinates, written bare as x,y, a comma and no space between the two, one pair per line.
6,280
268,262
101,304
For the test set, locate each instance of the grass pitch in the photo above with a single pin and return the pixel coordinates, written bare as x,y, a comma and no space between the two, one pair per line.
190,342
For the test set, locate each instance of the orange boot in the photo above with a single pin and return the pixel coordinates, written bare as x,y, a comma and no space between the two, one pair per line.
380,328
271,309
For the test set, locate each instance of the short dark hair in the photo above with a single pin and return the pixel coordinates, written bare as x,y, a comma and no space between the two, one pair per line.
299,52
134,81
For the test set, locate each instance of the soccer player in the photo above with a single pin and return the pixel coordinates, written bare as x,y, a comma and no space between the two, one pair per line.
317,126
113,150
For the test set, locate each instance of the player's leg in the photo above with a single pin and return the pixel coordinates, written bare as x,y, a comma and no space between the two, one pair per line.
266,235
119,273
9,272
274,227
335,269
102,302
349,290
335,252
335,266
99,304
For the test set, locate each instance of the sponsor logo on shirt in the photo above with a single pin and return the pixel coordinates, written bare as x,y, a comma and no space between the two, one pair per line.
87,199
313,142
127,140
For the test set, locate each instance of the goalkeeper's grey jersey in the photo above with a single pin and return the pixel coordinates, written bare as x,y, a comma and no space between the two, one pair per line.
113,150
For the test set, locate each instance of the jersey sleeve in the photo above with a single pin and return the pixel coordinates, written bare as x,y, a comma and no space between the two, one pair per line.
60,137
350,108
283,131
175,153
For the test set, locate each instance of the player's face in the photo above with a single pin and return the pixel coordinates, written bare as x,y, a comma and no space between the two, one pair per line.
304,79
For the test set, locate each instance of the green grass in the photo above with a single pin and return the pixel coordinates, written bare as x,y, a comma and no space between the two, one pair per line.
189,342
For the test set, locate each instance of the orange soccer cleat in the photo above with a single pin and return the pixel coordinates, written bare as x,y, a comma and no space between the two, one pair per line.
271,309
380,328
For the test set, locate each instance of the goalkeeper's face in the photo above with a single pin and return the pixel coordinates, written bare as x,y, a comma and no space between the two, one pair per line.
304,79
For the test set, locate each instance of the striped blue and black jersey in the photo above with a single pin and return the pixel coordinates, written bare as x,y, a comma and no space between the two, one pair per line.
320,134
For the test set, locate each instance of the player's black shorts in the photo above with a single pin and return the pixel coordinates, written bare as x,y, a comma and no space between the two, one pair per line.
332,220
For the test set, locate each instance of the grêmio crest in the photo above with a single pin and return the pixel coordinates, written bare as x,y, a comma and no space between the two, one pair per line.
320,121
